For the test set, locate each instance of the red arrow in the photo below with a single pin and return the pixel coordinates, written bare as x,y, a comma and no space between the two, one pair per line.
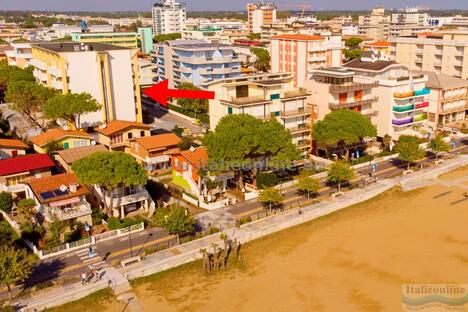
160,92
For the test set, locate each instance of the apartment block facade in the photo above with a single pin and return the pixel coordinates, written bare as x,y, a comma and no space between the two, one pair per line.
109,73
259,14
376,25
302,53
121,39
169,16
265,96
445,53
194,61
448,101
19,55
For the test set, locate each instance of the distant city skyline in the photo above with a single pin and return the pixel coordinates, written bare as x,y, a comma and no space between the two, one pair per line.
215,5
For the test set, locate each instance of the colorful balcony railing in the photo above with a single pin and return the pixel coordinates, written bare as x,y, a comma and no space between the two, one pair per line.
402,122
422,105
422,92
403,108
420,118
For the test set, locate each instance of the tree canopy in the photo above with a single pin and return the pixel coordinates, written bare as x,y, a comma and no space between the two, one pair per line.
254,36
408,149
16,265
27,96
308,185
6,202
263,59
343,127
352,54
270,196
165,37
438,145
70,107
340,171
193,105
242,141
176,220
353,42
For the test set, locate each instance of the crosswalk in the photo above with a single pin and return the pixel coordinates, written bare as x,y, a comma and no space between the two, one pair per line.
96,260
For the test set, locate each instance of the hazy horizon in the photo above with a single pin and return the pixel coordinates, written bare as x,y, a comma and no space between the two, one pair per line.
213,5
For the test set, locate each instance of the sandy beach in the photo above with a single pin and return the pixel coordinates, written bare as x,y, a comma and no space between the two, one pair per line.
353,260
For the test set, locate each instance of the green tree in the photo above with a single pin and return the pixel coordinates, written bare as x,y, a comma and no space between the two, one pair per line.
110,170
263,59
408,149
55,232
20,74
343,127
340,171
266,179
6,202
192,105
166,37
26,96
308,185
242,141
254,36
386,142
70,107
27,208
270,196
438,145
177,220
6,233
352,54
16,265
353,42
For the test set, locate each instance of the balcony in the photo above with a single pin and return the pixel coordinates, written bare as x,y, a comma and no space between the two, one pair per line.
351,87
79,210
449,110
371,113
402,122
457,97
139,196
303,144
403,108
411,94
38,64
421,105
302,128
302,111
13,188
419,118
248,100
354,103
301,92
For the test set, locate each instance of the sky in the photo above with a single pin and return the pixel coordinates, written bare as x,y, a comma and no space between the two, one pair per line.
208,5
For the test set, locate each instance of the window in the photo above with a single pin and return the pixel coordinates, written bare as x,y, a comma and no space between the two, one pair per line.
242,91
130,135
277,114
229,110
142,133
275,96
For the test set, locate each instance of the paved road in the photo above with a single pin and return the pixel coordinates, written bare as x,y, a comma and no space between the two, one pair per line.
71,265
161,119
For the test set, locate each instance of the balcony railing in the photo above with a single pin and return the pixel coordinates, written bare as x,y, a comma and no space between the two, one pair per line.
353,103
301,92
450,110
130,199
246,100
300,129
403,108
302,111
402,122
352,87
69,213
421,105
420,118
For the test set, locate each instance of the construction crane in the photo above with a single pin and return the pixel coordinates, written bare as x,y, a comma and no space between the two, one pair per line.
299,6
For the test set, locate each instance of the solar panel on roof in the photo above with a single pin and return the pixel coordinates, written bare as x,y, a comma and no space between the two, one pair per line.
58,192
47,195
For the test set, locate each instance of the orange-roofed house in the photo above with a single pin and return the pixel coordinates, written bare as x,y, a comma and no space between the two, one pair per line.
118,134
58,139
12,148
300,53
379,48
60,196
154,152
190,171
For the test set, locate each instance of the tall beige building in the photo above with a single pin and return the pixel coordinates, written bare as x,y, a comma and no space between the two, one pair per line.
376,25
259,14
444,53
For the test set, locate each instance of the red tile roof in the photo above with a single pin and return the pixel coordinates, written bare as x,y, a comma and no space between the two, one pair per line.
51,183
198,158
159,141
52,135
10,143
25,163
119,125
297,37
378,44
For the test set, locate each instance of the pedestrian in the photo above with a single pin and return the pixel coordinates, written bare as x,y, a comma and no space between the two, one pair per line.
83,278
299,211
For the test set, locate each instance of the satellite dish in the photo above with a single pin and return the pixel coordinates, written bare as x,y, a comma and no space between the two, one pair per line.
63,188
93,142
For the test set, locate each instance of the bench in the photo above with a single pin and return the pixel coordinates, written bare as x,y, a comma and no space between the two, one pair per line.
130,260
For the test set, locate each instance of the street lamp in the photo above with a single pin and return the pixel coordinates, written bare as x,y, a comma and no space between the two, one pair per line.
90,249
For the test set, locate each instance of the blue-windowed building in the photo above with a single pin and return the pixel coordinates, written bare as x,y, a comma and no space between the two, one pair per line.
195,61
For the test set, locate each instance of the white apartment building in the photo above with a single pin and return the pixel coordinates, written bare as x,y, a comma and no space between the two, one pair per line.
169,16
412,15
20,55
443,53
375,25
109,73
302,53
394,100
265,96
259,14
